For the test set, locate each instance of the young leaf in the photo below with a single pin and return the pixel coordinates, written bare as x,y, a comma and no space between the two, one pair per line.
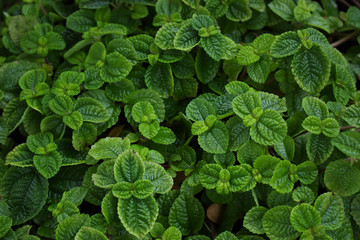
48,165
129,167
244,104
282,179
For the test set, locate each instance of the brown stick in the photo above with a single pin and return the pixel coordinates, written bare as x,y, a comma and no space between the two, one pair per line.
346,38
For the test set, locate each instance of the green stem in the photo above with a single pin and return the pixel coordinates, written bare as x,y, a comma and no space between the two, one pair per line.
189,140
77,47
255,197
225,115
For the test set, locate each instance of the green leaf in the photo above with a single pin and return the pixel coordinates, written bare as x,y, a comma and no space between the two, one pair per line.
81,21
259,71
286,148
206,67
311,69
331,209
74,120
62,105
345,231
143,188
216,8
165,136
92,78
104,176
55,41
223,236
166,34
109,148
315,107
85,135
91,110
209,175
124,47
172,233
312,124
186,214
307,172
88,233
142,44
270,128
342,178
40,143
96,55
185,88
277,225
48,165
199,109
161,180
245,103
109,209
353,16
285,45
159,78
116,68
239,11
303,194
25,193
186,37
253,219
330,127
216,139
143,112
247,55
68,228
238,133
5,225
129,167
149,130
138,215
283,8
14,113
123,190
319,148
304,217
214,46
20,156
282,179
352,115
266,165
348,143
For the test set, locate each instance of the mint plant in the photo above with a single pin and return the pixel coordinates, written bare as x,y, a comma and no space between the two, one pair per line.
181,119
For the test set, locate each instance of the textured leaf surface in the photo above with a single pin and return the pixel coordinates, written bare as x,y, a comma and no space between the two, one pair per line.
91,110
281,180
315,107
342,178
331,209
253,219
348,143
68,228
20,156
270,129
104,176
245,103
129,167
311,69
206,67
285,44
25,193
304,217
187,37
138,215
107,148
277,225
48,165
187,214
216,139
159,78
319,148
88,233
165,35
214,46
161,180
81,21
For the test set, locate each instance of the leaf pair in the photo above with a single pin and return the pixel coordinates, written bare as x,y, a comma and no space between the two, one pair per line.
41,40
267,127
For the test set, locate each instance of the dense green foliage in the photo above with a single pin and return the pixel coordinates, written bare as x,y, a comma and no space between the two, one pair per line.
179,119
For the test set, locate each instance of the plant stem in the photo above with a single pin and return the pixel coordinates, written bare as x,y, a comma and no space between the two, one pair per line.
357,3
255,197
189,140
346,38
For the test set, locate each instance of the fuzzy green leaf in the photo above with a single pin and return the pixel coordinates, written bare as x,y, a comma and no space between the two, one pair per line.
116,68
331,209
253,219
214,46
187,37
166,34
129,167
304,217
285,45
282,179
48,165
245,103
315,107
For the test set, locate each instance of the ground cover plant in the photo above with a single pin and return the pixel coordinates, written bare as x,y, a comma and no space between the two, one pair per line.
179,119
